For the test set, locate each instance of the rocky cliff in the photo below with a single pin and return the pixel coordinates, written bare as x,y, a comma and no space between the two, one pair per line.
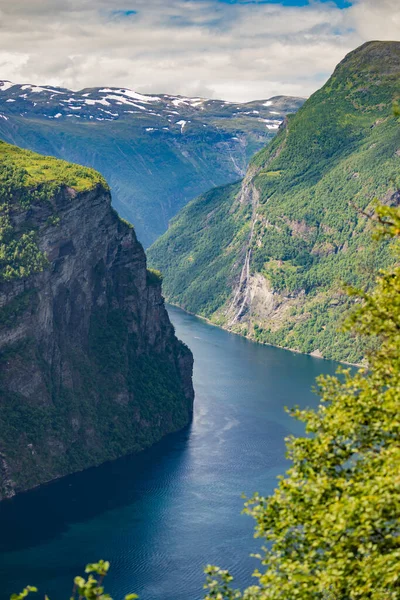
90,368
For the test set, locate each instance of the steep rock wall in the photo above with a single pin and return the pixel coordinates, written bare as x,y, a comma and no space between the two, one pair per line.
90,368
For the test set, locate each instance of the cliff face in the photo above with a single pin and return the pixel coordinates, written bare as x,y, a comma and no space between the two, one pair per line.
90,368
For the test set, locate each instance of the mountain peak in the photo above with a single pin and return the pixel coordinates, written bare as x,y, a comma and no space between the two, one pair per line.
283,239
382,57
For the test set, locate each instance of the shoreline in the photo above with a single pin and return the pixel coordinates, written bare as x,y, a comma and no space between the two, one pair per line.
245,337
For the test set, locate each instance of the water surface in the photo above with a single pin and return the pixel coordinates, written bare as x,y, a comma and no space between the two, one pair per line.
161,516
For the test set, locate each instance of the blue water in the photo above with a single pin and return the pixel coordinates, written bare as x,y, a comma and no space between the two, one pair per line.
161,516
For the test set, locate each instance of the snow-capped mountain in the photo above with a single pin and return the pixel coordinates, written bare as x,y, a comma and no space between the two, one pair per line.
157,151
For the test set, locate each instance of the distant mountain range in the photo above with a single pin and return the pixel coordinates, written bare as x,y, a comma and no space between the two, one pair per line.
268,257
157,152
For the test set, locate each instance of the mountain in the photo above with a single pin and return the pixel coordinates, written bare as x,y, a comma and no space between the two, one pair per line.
267,257
90,368
156,152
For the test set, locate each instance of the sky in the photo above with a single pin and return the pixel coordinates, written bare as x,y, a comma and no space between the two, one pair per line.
237,50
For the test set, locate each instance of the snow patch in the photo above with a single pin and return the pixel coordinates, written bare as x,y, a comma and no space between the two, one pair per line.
141,97
110,113
58,115
6,85
10,100
271,123
131,94
35,89
182,123
268,103
122,100
179,101
93,102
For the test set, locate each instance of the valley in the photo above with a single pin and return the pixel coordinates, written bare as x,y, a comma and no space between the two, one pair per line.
181,278
156,152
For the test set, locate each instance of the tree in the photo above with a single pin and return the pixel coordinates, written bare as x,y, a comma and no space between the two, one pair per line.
332,526
90,589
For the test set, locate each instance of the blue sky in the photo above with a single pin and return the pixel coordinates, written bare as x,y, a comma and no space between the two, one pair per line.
237,50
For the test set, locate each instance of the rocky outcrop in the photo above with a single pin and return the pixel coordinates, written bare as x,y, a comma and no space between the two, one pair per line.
90,368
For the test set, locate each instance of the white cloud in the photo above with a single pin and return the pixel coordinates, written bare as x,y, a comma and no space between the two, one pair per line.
236,52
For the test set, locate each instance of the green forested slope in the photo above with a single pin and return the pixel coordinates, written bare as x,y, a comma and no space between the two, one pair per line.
25,178
268,258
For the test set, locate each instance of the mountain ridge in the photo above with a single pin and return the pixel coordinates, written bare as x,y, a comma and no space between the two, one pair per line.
156,152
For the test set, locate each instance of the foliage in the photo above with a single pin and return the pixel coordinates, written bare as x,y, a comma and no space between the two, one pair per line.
25,592
33,170
196,263
25,179
91,588
332,526
301,210
154,277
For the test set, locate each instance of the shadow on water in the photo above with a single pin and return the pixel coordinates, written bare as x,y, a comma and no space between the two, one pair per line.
45,513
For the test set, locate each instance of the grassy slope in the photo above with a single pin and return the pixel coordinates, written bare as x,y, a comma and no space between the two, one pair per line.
25,176
36,169
340,151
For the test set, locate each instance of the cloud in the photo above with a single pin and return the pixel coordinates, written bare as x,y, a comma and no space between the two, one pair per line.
235,51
